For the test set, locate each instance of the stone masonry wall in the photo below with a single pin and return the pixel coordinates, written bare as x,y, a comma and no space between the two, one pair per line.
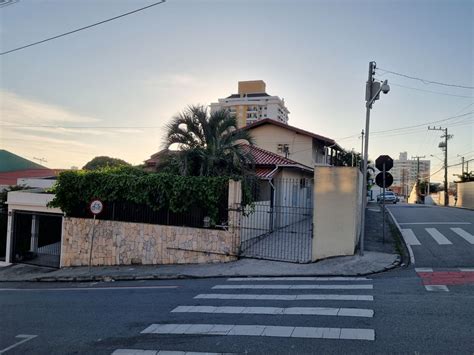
124,243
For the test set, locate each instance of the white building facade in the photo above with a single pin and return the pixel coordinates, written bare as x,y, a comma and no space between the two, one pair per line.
252,104
405,172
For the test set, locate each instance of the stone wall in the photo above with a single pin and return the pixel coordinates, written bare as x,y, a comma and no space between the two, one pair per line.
124,243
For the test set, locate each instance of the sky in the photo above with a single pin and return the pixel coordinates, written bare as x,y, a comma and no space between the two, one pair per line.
111,89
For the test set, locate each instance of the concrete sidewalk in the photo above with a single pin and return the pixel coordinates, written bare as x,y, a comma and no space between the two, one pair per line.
370,263
380,255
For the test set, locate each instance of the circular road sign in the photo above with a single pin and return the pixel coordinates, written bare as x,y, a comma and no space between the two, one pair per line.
388,179
96,206
384,159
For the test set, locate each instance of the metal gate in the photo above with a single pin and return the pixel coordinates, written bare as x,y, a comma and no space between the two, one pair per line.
36,238
280,225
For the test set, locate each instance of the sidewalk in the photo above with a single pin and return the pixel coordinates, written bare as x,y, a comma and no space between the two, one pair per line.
378,257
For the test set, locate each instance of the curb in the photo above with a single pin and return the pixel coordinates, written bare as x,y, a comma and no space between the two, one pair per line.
408,246
113,278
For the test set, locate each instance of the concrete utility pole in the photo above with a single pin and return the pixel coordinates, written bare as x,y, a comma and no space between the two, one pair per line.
362,148
372,93
417,175
444,145
462,160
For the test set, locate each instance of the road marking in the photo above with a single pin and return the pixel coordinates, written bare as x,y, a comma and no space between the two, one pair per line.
313,311
296,287
437,288
298,279
420,223
467,269
90,288
410,250
468,237
440,238
161,352
25,338
410,237
264,330
423,269
312,297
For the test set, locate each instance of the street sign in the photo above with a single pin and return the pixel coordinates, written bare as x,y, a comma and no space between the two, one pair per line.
96,207
379,162
388,179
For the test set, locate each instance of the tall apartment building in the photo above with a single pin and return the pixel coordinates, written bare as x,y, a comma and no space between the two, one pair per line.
404,173
252,103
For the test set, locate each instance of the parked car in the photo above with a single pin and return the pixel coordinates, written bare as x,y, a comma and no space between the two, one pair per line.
390,197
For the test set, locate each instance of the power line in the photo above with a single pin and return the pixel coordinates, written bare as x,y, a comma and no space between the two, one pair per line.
408,127
430,91
83,28
425,81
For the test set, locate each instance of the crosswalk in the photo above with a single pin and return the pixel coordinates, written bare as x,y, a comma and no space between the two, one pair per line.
311,308
457,236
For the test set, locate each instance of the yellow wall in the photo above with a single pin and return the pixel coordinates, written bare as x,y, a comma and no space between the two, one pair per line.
336,213
251,87
269,136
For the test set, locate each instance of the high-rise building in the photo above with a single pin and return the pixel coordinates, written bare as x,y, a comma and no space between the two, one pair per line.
405,172
252,103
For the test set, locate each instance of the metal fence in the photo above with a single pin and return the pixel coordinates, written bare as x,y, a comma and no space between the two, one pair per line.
280,225
196,216
43,247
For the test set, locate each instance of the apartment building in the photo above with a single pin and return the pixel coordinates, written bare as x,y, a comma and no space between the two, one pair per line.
252,103
405,172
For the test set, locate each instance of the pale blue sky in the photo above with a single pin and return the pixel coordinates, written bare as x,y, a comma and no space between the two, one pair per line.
140,70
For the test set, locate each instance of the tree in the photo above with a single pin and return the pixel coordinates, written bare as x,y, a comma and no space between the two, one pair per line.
209,144
104,162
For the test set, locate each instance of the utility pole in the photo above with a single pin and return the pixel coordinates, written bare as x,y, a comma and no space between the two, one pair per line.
417,175
444,145
462,160
373,89
362,148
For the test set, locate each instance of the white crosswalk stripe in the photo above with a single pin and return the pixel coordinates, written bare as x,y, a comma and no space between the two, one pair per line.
268,308
321,311
441,239
468,237
438,236
302,278
296,287
302,297
410,237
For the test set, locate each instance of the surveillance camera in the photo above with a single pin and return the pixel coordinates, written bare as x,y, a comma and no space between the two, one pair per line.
385,87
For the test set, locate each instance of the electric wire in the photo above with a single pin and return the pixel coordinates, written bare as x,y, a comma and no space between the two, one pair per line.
82,28
426,81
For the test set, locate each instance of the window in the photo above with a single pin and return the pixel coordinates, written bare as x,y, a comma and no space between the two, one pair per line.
283,148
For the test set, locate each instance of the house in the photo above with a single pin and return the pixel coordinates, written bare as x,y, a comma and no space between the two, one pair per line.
157,160
15,169
252,103
301,146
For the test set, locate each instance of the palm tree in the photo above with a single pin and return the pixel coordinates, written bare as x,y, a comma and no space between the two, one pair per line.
209,144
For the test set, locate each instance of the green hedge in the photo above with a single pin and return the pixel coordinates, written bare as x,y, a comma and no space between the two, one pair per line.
157,190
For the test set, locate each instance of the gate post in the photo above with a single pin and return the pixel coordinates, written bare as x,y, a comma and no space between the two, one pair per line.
34,233
234,213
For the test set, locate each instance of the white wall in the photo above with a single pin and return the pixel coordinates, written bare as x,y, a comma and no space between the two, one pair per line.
336,213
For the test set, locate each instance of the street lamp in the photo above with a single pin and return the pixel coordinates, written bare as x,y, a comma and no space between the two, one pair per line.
372,94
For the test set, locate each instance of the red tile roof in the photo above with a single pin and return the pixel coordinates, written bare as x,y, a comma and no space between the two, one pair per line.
265,173
10,178
264,157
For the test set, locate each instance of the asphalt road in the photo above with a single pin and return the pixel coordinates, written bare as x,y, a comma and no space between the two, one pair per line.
401,311
440,237
101,318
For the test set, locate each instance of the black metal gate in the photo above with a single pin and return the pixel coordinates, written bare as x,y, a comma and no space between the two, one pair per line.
36,238
280,225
